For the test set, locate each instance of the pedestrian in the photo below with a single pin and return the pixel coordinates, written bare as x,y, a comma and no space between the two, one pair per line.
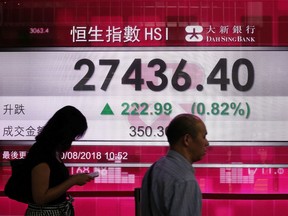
50,178
169,187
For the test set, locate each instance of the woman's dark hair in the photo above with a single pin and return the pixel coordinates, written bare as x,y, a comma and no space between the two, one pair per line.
181,125
66,125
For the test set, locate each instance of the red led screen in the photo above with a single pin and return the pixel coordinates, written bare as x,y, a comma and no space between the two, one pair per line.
234,57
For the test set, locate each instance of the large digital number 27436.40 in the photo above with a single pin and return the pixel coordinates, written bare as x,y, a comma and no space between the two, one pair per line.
133,75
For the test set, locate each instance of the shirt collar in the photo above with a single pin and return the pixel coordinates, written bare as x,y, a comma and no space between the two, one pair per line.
177,156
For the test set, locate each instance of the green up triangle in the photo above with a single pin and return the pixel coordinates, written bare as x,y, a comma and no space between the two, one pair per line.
107,110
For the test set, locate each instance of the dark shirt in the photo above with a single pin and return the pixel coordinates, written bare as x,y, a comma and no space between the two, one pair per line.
58,171
174,190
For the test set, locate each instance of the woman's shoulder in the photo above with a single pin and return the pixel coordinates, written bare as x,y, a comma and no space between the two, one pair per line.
39,154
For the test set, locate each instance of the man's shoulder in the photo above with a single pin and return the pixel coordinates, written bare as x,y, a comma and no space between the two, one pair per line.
172,169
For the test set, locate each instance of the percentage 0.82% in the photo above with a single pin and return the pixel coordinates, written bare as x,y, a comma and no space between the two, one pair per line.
222,109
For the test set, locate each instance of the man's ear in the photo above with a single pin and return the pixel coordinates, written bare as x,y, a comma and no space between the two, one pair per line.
186,139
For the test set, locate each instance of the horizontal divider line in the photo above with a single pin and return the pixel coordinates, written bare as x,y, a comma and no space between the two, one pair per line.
217,196
146,165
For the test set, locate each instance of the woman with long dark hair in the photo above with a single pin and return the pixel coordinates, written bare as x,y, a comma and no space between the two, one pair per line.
50,178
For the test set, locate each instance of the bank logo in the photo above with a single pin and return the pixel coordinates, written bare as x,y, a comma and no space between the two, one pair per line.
194,33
